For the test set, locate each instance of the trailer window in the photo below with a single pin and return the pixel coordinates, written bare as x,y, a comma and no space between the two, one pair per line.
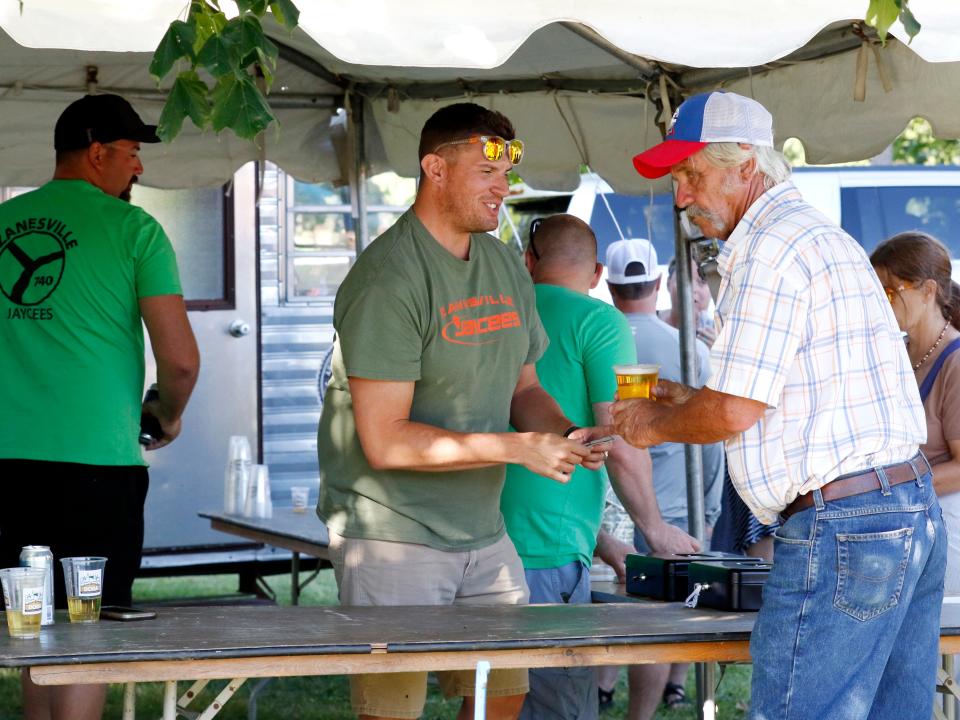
199,223
321,242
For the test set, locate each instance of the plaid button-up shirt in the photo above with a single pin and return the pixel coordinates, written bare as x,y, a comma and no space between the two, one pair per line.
807,330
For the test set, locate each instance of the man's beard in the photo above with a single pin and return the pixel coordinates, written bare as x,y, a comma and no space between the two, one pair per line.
125,195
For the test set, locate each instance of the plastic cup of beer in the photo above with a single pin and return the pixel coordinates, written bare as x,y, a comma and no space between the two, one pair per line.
83,577
300,494
23,600
635,381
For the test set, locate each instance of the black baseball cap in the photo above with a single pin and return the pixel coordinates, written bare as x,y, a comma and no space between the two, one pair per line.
103,119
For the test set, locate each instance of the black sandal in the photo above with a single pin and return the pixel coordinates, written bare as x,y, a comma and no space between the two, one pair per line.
674,696
605,698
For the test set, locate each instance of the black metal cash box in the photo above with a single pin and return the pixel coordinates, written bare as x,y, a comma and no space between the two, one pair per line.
664,575
729,585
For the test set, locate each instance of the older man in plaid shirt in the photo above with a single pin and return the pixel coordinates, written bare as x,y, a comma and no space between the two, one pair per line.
813,395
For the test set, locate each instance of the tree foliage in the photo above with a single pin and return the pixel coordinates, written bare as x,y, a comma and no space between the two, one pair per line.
881,14
917,145
218,62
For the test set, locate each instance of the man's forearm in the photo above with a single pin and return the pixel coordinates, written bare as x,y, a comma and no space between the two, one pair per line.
631,475
534,410
175,385
697,422
392,441
680,414
410,445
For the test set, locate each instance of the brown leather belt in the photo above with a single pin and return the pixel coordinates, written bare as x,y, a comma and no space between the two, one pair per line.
858,483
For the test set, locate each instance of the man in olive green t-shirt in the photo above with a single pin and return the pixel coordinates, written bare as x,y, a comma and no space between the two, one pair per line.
437,336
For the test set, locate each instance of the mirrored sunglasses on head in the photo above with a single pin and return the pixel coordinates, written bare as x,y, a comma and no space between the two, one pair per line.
493,146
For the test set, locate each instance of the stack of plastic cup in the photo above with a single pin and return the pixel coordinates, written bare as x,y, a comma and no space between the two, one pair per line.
236,482
259,503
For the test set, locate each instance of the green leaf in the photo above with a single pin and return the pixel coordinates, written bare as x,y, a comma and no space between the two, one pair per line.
208,22
252,37
187,98
286,13
265,63
910,23
881,14
176,43
218,56
239,105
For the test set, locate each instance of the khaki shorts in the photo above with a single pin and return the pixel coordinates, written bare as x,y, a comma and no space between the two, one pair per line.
376,572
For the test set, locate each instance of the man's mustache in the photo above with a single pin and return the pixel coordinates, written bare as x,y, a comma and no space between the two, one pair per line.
694,211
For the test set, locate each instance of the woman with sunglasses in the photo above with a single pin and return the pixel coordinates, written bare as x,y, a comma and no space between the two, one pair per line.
914,269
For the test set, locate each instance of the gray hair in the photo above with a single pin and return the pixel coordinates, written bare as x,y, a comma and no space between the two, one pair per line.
769,163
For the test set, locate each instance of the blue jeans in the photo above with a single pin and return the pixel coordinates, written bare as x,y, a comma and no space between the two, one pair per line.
565,692
850,623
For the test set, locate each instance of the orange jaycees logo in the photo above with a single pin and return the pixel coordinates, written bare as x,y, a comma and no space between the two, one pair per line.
476,320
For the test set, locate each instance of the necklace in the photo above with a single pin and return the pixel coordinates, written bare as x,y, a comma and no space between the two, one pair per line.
930,351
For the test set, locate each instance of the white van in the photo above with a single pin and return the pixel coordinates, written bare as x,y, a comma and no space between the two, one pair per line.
871,203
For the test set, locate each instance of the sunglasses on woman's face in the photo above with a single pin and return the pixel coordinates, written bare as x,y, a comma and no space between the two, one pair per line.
893,293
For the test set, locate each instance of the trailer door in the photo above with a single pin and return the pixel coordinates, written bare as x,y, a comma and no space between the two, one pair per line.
214,233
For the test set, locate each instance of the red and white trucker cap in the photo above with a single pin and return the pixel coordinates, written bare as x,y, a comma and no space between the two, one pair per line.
707,118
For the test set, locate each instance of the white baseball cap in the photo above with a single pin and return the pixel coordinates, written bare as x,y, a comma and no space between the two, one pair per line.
623,252
707,118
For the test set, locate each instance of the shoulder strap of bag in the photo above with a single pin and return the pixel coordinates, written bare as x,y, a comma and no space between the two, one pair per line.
931,377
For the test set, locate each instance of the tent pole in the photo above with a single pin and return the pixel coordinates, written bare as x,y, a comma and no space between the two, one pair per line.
688,370
358,179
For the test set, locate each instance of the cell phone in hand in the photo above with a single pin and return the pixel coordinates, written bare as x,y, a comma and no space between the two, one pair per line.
118,612
599,441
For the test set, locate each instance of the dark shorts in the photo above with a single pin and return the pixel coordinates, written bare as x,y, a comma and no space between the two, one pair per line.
76,510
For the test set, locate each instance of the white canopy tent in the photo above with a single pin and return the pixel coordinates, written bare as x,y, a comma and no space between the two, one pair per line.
583,84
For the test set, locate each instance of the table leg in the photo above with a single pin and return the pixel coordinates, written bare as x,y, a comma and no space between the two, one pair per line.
254,694
706,691
170,700
947,685
191,694
220,700
295,578
130,701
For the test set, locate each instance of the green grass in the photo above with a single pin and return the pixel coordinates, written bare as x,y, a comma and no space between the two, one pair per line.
327,697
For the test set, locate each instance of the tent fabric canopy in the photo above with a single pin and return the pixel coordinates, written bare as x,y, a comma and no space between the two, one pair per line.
579,82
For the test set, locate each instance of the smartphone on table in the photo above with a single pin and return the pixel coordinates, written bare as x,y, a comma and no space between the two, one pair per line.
119,612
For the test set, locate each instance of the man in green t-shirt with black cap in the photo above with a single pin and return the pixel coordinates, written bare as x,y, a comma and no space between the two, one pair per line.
81,272
437,336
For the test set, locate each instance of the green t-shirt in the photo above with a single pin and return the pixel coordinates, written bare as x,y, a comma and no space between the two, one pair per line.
552,524
73,263
461,330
